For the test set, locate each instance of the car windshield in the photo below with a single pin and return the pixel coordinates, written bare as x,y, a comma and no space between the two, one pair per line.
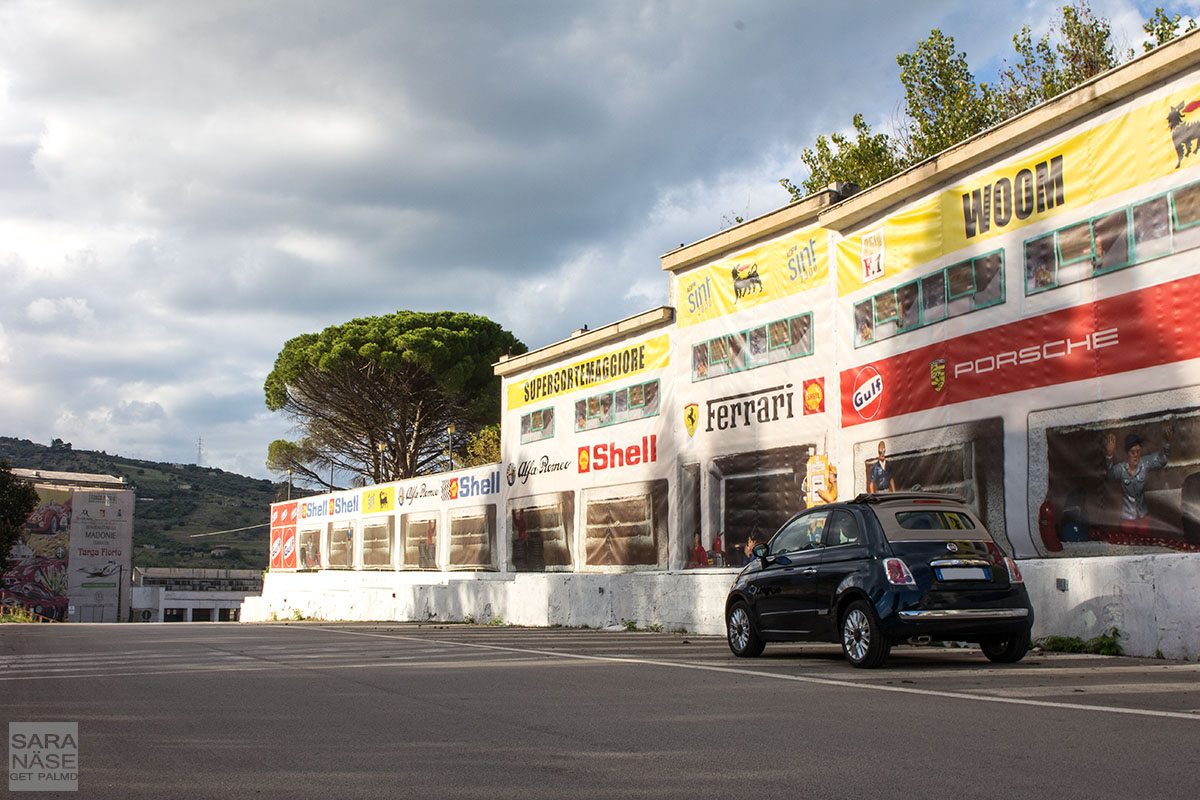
803,533
931,523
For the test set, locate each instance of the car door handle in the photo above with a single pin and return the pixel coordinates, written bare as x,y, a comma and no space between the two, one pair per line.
809,571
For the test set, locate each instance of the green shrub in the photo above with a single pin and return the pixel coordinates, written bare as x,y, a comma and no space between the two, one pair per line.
16,614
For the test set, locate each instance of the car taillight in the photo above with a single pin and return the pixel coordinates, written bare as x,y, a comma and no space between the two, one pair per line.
898,573
1014,572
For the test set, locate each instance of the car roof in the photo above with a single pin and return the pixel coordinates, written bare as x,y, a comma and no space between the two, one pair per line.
906,497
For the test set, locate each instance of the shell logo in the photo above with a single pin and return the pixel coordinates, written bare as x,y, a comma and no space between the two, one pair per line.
585,459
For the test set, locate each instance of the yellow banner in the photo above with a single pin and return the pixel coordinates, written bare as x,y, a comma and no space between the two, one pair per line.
794,263
379,500
617,364
1120,154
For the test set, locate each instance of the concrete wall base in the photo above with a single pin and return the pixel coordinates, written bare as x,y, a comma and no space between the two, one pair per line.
1153,601
692,601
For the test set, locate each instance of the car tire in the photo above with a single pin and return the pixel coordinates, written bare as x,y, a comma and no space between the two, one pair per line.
743,638
862,636
1008,650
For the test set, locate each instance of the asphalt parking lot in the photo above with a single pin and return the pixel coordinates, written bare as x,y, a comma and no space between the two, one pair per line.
407,710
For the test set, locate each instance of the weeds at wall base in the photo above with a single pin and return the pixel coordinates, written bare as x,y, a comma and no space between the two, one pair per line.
631,625
1106,644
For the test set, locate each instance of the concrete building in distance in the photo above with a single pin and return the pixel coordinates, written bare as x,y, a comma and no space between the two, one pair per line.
163,594
1010,321
72,563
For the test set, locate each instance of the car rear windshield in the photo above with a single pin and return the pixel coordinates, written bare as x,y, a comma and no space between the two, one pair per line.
931,523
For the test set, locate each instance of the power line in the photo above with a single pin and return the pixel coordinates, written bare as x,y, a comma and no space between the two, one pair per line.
231,530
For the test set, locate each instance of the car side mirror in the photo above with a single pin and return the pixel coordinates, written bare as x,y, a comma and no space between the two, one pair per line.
759,551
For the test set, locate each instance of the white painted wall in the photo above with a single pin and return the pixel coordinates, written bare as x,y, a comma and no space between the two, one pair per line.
1153,600
691,601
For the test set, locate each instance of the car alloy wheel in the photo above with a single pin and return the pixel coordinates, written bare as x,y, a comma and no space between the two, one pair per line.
743,639
862,641
856,634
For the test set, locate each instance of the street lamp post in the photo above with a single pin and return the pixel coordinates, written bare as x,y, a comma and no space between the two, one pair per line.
382,448
450,446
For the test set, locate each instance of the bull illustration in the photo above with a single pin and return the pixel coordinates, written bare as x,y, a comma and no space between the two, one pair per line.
1184,132
745,281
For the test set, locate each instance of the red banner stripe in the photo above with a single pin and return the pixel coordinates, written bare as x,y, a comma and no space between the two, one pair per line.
1140,329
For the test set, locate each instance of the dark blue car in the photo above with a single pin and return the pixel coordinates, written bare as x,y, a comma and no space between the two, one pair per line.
880,570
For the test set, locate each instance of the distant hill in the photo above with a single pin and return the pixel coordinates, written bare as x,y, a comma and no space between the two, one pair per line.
172,502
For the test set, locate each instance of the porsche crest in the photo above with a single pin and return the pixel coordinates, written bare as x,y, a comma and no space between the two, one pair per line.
937,374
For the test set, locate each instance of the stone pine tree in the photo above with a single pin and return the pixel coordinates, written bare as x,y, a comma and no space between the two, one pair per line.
18,499
373,398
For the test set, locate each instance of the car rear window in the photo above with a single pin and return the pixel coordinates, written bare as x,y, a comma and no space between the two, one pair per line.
931,523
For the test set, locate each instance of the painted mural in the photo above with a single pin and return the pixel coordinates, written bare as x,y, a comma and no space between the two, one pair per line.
1020,337
35,576
73,556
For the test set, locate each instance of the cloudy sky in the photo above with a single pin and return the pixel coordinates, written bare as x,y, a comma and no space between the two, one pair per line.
186,185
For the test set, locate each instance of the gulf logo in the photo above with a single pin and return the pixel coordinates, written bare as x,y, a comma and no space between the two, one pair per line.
868,392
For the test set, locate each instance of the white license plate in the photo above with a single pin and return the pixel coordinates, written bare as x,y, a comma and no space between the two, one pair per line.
962,574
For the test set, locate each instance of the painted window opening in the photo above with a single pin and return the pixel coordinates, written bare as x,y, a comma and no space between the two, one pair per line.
626,526
1146,230
950,292
377,543
1140,488
309,549
472,531
626,404
541,532
341,547
752,494
537,425
420,541
775,341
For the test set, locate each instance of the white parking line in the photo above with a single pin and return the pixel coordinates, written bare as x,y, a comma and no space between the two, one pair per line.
794,678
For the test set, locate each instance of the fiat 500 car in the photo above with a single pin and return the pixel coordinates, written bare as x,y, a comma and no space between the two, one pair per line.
877,571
